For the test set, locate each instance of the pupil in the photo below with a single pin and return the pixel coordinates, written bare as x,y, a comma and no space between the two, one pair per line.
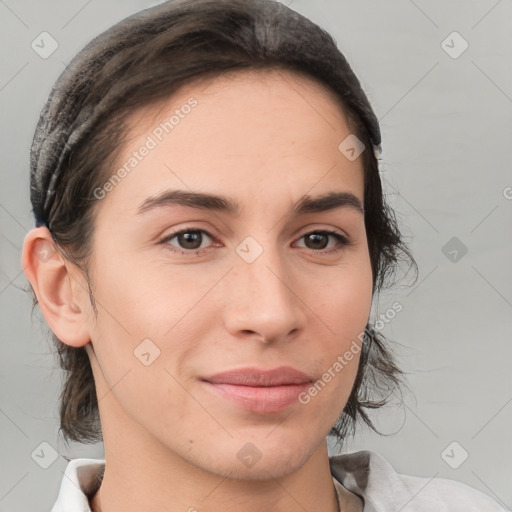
190,240
318,237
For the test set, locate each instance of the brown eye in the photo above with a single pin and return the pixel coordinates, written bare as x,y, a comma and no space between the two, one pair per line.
317,241
187,240
320,240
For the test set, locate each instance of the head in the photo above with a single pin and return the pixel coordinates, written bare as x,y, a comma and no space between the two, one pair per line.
150,294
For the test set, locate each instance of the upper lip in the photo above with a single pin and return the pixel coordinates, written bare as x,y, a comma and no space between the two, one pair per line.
284,375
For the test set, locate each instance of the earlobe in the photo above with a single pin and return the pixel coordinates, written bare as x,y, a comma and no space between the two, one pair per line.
50,275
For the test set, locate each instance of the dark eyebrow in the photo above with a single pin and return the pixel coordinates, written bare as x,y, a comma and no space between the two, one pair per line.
192,199
307,204
328,201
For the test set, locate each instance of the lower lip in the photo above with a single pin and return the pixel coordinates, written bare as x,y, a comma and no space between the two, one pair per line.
263,400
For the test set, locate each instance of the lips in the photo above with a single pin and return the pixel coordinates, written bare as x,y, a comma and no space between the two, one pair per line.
258,390
255,377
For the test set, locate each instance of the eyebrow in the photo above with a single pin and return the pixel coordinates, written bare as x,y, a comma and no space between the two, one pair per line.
307,204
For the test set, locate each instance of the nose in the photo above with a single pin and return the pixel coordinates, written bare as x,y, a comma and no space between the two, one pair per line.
260,300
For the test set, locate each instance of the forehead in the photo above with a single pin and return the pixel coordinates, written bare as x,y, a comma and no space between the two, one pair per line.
252,98
272,132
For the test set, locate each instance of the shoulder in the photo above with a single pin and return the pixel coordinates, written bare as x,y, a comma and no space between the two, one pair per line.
372,477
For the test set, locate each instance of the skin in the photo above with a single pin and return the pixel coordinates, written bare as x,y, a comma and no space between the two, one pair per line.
264,139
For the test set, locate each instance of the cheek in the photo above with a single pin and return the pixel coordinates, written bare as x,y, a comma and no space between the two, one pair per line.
143,330
342,306
135,370
150,295
342,300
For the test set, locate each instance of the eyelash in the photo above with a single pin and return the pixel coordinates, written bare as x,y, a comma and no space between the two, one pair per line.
343,241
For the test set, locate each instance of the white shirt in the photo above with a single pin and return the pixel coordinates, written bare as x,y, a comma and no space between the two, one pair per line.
364,473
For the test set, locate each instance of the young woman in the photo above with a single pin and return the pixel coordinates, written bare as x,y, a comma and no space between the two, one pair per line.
210,233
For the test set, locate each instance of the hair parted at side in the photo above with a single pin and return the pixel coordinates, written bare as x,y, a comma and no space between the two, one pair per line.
145,58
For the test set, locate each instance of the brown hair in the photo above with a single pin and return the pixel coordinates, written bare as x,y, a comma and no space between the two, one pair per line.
146,58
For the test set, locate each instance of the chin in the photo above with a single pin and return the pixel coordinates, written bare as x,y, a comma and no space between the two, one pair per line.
250,463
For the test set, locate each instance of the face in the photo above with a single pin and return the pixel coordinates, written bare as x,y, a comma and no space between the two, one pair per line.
266,278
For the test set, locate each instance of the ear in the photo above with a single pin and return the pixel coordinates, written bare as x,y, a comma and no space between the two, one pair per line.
57,289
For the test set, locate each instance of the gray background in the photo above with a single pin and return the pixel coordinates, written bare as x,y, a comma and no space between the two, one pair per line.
447,133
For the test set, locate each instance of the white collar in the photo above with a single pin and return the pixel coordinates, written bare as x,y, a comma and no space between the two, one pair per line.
80,480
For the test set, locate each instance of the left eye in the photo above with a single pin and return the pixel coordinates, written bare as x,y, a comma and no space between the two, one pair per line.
190,239
320,240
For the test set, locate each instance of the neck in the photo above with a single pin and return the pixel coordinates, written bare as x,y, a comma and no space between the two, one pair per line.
351,503
148,483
